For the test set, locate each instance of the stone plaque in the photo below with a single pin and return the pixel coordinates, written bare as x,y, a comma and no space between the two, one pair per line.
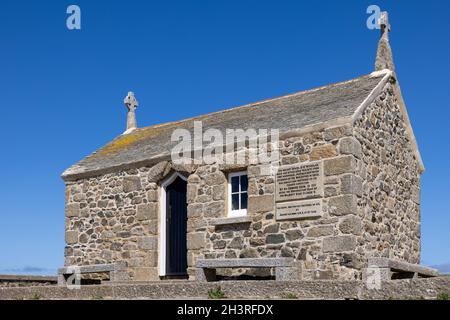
299,181
299,209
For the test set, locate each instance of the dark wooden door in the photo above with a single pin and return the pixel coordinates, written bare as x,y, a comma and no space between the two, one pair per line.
176,224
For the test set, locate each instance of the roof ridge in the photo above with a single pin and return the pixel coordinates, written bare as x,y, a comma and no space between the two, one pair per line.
325,103
374,74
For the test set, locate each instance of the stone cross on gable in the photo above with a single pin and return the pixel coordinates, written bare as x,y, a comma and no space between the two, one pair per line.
384,58
384,23
131,103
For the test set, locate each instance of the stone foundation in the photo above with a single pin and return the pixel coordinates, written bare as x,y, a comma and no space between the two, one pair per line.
429,288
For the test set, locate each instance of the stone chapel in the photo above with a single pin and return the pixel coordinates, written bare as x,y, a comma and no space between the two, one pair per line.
346,189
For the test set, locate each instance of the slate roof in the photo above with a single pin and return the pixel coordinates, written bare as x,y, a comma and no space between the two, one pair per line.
286,113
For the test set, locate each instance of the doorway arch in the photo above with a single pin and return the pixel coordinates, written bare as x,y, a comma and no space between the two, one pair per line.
173,227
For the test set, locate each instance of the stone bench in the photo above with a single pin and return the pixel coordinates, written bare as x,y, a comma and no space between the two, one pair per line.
117,271
285,268
390,269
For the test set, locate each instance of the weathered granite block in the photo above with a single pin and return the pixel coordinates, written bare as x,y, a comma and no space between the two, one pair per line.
249,253
350,224
196,241
339,165
351,184
194,210
148,243
350,145
287,273
147,211
152,196
339,244
136,262
214,210
191,192
337,132
261,203
72,210
131,183
294,234
145,274
218,192
275,238
215,178
322,152
342,205
320,231
71,237
151,259
157,171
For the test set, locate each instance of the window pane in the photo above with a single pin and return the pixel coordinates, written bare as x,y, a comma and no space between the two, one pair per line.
235,201
235,184
244,200
244,183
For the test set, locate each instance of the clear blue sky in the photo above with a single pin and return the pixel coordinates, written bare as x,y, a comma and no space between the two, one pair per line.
62,91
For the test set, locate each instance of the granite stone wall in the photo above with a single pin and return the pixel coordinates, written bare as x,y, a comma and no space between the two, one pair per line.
111,218
324,247
389,208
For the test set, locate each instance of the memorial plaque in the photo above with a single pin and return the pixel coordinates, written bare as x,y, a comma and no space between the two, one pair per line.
299,181
299,209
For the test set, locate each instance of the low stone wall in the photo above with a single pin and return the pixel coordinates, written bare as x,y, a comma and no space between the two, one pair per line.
26,281
427,288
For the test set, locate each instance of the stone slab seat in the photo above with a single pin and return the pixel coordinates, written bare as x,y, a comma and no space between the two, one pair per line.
117,271
285,268
394,269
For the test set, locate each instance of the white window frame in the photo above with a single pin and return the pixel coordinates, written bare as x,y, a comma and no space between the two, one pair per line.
240,212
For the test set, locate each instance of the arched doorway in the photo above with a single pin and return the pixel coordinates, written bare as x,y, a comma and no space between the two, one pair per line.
173,246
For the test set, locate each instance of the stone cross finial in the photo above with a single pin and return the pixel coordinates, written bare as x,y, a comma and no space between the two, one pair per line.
384,58
384,24
131,103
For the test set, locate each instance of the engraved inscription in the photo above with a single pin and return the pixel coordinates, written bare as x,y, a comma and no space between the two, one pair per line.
299,209
300,181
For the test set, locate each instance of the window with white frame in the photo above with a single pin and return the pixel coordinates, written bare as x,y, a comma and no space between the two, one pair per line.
237,194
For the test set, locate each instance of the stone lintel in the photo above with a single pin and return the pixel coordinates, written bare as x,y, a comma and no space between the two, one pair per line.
234,220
